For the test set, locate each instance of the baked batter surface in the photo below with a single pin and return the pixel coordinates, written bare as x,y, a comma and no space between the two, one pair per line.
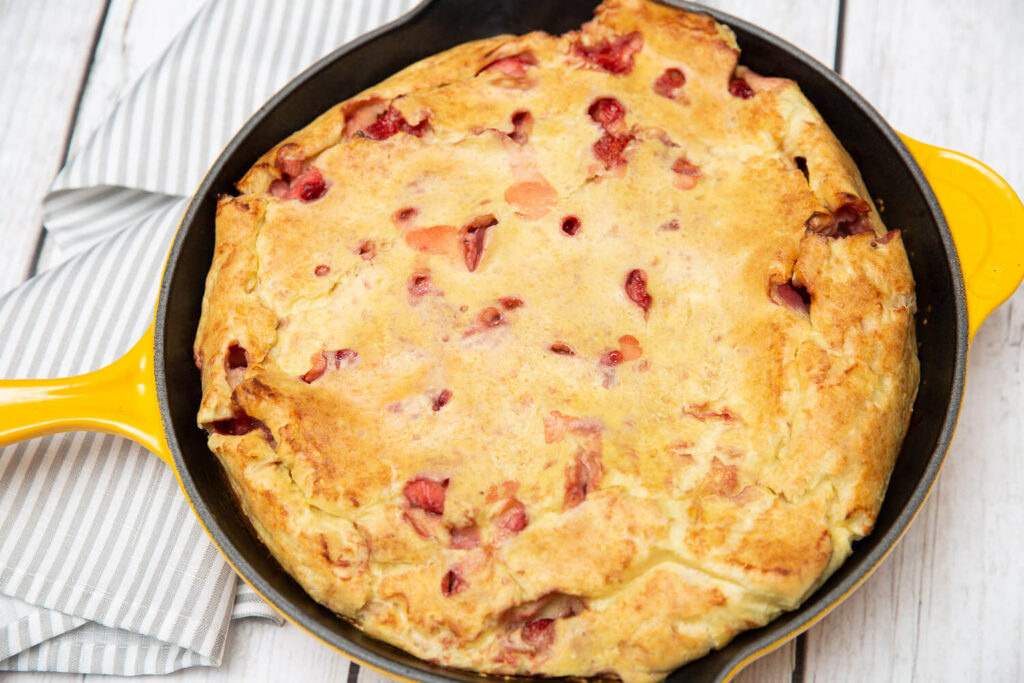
562,355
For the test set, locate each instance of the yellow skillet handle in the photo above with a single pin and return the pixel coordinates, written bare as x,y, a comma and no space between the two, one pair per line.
118,399
987,222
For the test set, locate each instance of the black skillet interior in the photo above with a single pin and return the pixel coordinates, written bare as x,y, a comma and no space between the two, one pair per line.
440,24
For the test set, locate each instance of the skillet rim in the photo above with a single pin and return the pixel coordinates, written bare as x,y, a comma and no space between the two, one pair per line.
718,665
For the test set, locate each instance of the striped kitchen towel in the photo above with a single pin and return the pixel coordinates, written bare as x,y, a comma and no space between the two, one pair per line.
103,568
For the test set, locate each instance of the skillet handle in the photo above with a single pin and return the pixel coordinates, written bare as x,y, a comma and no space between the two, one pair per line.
987,221
118,399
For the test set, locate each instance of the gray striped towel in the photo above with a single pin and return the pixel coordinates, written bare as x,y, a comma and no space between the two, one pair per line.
103,568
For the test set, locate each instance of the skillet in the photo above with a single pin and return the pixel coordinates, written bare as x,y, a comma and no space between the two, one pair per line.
152,393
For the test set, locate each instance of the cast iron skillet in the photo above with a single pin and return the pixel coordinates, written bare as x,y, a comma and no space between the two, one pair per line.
168,381
888,170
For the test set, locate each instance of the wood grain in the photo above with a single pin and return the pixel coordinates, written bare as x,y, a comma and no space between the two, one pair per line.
135,34
45,57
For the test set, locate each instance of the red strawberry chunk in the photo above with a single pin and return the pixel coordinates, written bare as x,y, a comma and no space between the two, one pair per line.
669,82
539,633
238,425
610,148
581,477
307,186
606,111
522,124
510,302
611,358
466,537
614,55
319,361
452,582
851,219
513,519
426,494
684,167
419,283
886,238
473,238
636,289
570,225
792,296
391,122
441,400
741,89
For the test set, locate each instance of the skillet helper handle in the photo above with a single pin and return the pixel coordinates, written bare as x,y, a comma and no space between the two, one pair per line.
987,221
118,399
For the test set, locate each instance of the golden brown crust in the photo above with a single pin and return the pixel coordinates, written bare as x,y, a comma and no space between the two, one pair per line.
532,385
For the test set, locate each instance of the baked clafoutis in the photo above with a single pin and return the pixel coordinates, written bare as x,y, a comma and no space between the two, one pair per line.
570,355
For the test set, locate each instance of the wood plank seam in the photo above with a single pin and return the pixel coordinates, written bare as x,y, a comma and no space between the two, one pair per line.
37,250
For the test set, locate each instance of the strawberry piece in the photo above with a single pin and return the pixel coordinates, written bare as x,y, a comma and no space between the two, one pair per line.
851,218
238,425
307,186
614,55
581,477
606,111
289,160
473,239
491,317
610,148
367,250
636,289
441,400
570,225
886,238
741,89
669,82
684,167
452,582
510,302
522,124
403,215
539,633
514,66
792,296
426,494
630,347
562,349
392,122
611,358
345,357
465,537
319,361
419,283
513,518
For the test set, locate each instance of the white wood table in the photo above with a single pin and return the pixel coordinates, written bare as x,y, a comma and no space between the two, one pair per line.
948,603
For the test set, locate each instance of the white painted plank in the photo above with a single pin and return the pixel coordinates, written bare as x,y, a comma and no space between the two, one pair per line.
949,602
45,55
808,24
136,33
